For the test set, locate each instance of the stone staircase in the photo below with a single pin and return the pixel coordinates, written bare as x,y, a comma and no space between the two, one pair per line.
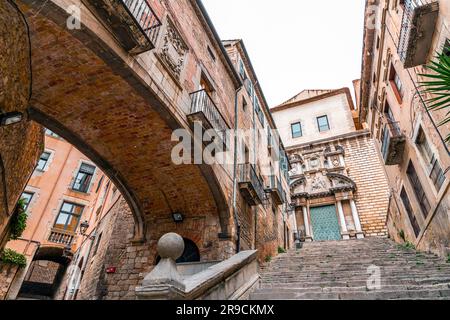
341,270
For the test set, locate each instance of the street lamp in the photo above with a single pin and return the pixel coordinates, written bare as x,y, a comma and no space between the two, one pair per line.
177,217
83,228
10,118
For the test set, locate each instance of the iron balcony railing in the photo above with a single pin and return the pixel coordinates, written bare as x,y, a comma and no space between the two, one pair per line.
415,40
276,189
248,175
132,22
201,103
144,17
61,236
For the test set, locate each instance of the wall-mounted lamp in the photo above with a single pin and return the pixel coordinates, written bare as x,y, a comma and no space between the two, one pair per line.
10,118
177,217
83,228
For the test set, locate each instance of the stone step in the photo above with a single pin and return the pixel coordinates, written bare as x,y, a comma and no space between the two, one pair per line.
339,289
355,283
370,295
338,270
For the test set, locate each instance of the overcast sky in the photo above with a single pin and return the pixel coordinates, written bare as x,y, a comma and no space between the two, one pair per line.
295,44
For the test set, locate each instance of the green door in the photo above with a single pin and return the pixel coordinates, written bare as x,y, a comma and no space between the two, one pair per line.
325,223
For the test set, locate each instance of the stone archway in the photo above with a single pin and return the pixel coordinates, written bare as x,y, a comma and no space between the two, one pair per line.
84,92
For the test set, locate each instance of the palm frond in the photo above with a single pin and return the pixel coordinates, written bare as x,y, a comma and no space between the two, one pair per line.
438,85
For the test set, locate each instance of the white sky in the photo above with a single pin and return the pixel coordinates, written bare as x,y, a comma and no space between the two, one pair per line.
295,44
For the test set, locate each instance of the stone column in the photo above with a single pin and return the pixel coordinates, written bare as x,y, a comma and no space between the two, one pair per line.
359,232
308,237
344,230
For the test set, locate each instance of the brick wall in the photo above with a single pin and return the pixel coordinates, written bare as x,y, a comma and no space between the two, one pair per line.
20,144
372,194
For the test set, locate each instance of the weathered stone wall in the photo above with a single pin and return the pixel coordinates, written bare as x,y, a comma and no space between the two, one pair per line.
20,144
436,237
7,274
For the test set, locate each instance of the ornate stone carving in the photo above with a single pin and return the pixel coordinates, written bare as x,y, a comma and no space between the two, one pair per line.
318,183
174,49
335,161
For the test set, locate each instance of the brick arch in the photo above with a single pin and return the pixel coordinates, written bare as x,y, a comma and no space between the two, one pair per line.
83,91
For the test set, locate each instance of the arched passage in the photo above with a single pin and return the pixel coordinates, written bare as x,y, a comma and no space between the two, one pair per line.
83,91
45,274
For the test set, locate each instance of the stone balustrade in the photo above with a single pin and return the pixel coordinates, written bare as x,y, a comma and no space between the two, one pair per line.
231,279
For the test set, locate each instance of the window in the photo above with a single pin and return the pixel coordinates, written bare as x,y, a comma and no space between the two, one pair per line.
322,123
43,160
437,174
396,84
409,211
51,133
242,70
296,129
244,105
26,197
249,87
418,189
259,112
206,85
99,184
83,178
97,244
211,53
424,146
68,217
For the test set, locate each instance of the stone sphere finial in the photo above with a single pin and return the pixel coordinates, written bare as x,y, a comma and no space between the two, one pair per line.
170,245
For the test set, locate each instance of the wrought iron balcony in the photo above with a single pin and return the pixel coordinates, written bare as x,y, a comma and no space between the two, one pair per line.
204,110
393,145
61,236
250,184
416,35
276,189
133,22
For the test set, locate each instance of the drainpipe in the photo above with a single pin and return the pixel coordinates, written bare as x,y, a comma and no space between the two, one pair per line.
236,118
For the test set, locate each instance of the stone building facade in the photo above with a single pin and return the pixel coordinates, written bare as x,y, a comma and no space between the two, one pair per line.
338,184
401,38
119,93
63,176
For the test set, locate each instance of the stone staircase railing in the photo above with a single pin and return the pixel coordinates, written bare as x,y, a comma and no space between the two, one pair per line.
232,279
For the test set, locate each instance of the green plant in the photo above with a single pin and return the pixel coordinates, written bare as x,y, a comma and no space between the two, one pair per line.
448,258
438,85
18,221
9,256
268,258
407,246
401,234
281,250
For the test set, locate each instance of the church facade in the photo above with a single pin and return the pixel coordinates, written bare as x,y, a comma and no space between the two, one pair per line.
337,182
